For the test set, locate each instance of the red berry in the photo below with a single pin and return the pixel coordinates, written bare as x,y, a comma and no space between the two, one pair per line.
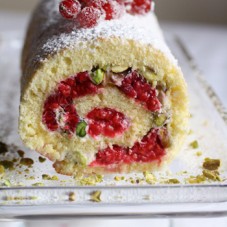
89,17
107,122
111,8
140,6
69,8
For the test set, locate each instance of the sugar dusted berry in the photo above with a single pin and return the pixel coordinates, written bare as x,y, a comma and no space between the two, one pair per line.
69,8
113,10
140,6
89,17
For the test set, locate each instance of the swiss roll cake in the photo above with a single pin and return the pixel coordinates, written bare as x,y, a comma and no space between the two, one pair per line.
101,98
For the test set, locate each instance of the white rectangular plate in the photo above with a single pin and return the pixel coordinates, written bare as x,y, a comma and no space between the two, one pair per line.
20,199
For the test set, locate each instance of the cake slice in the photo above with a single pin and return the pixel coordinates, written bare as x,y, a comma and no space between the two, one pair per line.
110,98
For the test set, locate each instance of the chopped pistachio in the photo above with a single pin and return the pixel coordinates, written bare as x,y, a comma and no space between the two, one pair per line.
117,178
81,160
72,196
46,177
211,164
41,159
98,76
172,181
89,180
194,144
2,170
197,179
20,153
149,178
38,184
26,162
31,178
3,148
81,129
54,178
7,164
199,153
212,175
96,196
160,119
7,183
165,137
119,69
149,74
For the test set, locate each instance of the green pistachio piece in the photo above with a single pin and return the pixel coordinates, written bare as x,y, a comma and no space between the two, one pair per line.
81,129
7,164
212,175
72,196
194,144
98,76
2,170
96,196
7,183
119,69
165,137
160,119
211,164
149,74
172,181
81,160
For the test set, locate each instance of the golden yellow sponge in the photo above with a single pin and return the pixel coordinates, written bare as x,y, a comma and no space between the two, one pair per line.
105,99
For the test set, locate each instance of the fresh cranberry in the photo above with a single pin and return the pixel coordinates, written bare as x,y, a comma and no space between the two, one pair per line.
107,122
139,6
69,8
89,17
111,9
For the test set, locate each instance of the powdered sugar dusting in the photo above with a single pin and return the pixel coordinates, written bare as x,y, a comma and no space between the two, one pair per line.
50,33
142,28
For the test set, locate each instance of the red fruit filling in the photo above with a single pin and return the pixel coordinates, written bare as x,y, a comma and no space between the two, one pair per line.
69,8
148,149
59,112
107,122
136,87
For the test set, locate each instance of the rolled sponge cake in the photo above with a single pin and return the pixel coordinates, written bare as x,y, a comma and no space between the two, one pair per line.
106,99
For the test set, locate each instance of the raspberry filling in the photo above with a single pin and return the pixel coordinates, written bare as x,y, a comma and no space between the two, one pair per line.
150,148
136,87
107,122
59,112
